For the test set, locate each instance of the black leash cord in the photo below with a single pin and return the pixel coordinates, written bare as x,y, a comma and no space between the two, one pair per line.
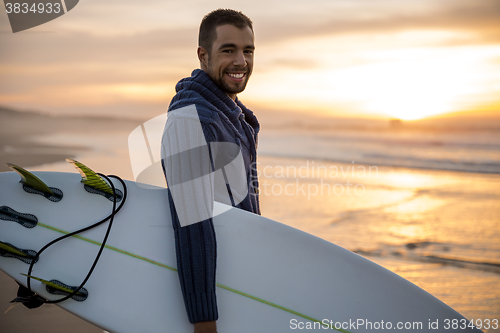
110,218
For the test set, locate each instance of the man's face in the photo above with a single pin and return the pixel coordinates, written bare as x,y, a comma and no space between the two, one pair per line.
230,62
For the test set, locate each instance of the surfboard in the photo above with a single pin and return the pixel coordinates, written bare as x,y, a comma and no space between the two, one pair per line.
270,277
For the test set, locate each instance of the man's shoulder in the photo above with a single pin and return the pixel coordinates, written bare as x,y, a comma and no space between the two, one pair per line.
195,111
189,119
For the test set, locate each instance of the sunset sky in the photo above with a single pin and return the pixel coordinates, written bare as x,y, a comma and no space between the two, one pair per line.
391,58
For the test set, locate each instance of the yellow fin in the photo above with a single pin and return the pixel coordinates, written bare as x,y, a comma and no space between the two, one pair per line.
30,179
54,285
90,178
9,248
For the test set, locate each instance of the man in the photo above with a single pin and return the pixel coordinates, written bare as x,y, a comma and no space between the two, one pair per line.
228,133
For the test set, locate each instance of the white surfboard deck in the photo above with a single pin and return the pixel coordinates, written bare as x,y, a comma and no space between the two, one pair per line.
271,277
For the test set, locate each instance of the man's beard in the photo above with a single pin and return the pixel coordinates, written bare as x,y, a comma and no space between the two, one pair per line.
222,84
235,89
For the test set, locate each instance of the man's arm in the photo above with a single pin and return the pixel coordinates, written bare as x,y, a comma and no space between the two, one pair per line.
185,159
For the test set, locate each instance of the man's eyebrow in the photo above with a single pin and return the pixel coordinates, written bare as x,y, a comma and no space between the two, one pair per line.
232,45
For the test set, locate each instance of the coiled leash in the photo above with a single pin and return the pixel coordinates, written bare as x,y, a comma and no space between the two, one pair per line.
30,299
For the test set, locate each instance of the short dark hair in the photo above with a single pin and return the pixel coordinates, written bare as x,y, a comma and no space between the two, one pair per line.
216,18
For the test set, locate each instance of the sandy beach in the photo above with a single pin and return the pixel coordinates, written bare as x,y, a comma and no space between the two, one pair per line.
411,221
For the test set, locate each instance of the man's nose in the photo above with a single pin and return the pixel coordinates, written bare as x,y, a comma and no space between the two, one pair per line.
240,60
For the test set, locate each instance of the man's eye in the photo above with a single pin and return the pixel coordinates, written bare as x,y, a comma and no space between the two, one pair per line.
227,51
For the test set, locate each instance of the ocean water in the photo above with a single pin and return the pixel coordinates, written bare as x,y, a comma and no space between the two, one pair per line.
473,150
424,204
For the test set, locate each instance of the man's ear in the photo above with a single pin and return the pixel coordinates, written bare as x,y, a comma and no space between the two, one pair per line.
203,57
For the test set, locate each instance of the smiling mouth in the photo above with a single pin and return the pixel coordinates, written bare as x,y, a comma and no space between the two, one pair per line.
237,76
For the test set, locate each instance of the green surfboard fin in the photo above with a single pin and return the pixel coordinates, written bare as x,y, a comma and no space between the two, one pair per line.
31,180
57,287
33,184
95,183
52,284
12,249
90,178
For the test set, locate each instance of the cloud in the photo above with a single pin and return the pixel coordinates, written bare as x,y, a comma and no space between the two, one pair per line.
476,17
67,71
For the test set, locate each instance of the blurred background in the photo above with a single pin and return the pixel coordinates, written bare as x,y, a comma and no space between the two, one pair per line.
380,123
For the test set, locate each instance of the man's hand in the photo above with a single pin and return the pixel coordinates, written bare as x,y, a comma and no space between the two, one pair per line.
205,327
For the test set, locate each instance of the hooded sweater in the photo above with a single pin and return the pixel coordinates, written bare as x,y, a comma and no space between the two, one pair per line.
222,120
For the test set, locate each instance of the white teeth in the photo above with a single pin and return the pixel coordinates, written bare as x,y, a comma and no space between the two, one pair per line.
236,76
